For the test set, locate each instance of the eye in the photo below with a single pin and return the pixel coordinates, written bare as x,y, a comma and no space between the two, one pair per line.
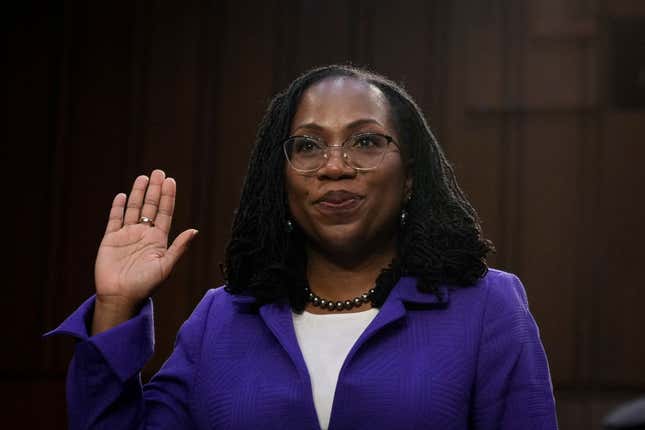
369,141
305,145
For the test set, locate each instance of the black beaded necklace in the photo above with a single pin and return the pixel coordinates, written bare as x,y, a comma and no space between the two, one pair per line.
339,305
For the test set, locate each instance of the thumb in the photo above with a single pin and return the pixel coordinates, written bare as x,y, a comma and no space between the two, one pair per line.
177,249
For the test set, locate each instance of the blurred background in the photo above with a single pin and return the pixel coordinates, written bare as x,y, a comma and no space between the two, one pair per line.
540,105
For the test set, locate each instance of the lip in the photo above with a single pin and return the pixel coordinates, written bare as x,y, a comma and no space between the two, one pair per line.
338,202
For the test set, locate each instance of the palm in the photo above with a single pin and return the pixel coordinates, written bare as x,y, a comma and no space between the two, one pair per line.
133,258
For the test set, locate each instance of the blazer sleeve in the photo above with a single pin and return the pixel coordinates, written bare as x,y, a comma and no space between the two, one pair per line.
104,389
513,386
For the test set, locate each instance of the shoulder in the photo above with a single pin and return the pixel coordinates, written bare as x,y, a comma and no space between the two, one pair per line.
215,301
221,310
503,290
498,299
496,288
505,311
215,297
513,378
211,314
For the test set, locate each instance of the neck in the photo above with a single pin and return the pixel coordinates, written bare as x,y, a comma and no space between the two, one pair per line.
345,278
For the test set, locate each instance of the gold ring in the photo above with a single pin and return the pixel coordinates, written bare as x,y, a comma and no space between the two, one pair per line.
146,220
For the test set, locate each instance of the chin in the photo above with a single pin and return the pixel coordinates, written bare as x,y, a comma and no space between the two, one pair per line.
339,236
354,237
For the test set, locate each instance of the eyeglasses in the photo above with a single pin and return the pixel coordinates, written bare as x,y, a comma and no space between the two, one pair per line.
362,152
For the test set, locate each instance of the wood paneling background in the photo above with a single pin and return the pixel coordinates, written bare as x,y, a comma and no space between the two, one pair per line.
517,91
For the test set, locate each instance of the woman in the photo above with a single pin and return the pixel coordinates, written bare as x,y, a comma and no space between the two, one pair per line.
357,291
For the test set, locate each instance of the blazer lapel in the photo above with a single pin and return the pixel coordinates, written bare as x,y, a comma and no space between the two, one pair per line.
403,295
277,316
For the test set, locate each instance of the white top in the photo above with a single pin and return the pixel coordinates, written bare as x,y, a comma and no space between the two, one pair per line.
325,341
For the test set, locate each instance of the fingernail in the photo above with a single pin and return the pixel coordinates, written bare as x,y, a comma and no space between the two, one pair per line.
195,232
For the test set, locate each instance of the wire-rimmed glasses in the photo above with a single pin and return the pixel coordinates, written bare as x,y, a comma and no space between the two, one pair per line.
362,152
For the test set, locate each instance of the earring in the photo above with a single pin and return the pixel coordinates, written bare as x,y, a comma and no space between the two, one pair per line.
289,226
403,218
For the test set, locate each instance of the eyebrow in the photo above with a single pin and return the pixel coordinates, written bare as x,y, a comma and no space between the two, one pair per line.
352,125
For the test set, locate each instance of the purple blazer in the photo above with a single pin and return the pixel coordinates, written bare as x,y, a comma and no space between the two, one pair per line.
475,362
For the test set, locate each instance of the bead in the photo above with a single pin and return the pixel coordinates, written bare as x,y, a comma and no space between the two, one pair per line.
339,305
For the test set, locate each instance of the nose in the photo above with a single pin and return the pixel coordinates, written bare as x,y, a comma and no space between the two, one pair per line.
335,164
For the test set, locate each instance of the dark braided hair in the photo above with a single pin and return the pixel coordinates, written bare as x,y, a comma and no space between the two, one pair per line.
442,240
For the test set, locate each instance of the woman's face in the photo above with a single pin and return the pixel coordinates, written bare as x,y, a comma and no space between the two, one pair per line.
341,211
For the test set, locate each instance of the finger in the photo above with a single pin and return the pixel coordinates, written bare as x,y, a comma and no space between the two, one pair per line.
115,221
133,209
166,205
177,249
151,201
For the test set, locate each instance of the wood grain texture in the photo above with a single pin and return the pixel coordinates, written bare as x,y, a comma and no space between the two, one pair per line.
516,90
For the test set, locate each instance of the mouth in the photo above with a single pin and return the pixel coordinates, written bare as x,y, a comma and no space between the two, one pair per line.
339,202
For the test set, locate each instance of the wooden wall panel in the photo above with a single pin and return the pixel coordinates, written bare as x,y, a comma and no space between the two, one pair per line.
242,91
474,133
549,64
573,412
624,8
33,403
401,46
319,33
102,92
527,131
546,243
32,68
618,349
585,409
94,70
167,108
478,154
484,31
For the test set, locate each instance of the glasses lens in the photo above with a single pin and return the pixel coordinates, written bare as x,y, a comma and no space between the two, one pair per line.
366,151
304,153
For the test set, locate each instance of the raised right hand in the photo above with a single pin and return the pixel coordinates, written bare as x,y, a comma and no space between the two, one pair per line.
134,258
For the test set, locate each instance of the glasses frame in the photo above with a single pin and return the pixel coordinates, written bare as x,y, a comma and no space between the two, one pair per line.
346,157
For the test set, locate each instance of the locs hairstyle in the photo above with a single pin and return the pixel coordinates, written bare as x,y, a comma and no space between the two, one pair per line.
441,242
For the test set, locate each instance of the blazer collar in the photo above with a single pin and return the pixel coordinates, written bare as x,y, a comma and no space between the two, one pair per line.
277,316
404,291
